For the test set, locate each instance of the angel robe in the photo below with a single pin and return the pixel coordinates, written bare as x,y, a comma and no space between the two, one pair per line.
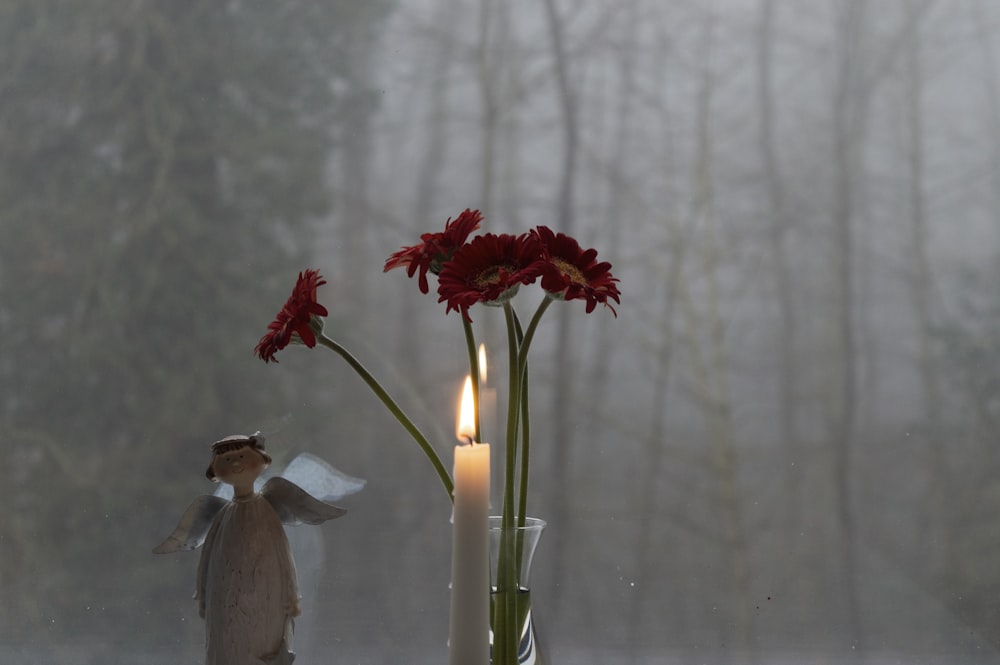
247,588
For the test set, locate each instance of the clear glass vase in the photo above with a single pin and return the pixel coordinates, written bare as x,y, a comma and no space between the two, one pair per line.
513,638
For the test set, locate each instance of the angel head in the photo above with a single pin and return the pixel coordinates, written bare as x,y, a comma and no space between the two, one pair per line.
238,460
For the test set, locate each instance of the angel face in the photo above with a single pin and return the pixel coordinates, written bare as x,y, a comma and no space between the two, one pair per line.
239,468
238,461
238,465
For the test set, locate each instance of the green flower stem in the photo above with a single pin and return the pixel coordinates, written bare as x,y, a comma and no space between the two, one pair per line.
390,404
522,359
522,372
507,582
522,499
524,342
525,425
525,429
470,342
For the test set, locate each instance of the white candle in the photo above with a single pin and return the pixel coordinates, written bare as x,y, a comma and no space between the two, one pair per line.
487,396
468,642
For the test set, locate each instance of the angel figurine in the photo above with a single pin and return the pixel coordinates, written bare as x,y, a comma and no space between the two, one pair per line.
247,588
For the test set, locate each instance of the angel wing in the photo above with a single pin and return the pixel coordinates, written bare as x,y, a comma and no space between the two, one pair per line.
320,479
193,527
313,475
295,506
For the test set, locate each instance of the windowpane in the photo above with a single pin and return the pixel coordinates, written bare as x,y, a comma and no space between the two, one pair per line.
778,448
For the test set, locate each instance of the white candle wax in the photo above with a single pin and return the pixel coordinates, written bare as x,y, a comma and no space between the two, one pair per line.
488,398
470,575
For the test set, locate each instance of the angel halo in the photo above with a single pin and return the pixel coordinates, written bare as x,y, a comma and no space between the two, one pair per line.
247,587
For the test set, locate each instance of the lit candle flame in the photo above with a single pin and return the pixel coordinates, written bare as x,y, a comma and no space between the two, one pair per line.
482,364
466,427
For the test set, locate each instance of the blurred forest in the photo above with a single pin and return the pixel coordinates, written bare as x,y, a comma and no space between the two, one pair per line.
783,449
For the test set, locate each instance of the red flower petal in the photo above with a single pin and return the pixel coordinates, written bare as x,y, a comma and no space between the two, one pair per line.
294,317
572,273
435,248
488,269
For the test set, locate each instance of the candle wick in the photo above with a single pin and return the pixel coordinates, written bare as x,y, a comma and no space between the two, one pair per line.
467,440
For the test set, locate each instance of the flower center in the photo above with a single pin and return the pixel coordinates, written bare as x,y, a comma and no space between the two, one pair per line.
488,277
569,270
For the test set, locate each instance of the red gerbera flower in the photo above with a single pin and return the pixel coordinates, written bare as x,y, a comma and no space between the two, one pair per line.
489,269
293,321
571,273
436,248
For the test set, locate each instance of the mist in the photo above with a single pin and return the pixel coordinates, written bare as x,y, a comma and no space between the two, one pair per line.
780,447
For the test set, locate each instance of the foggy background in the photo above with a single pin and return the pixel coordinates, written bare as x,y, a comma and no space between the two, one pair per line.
782,450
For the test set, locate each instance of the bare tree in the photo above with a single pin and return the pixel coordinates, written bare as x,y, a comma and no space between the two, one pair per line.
778,228
490,58
431,166
991,81
706,343
563,379
849,102
920,282
619,185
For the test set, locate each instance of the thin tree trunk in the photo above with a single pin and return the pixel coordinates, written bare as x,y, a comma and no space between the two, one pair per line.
568,113
921,284
991,80
428,177
711,362
511,202
778,228
563,375
489,61
648,564
847,104
618,188
648,560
